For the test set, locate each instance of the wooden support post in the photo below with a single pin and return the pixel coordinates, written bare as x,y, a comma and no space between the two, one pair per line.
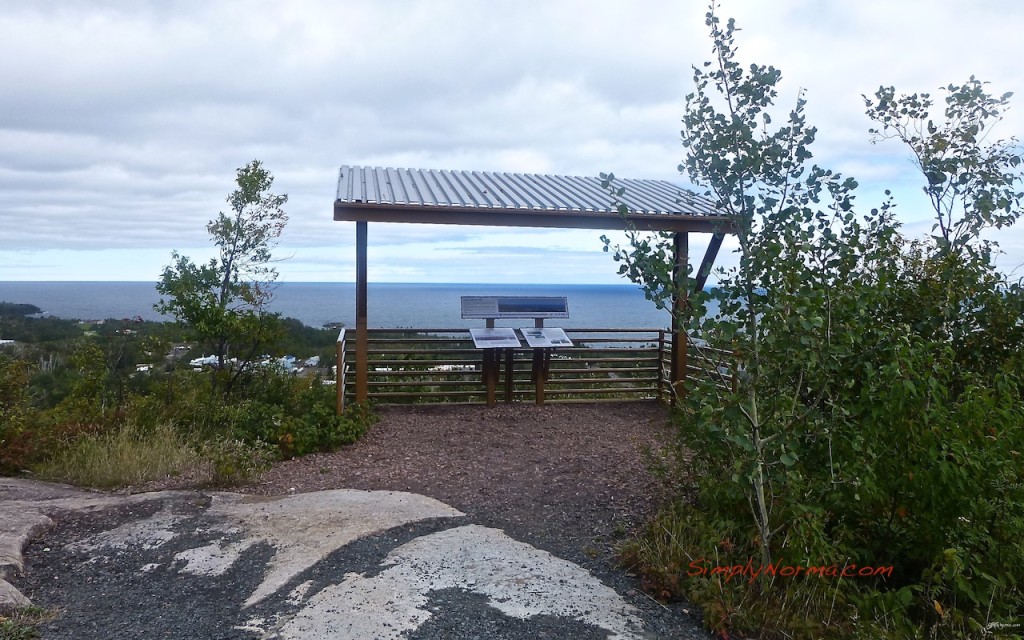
708,262
491,365
541,370
492,362
509,374
661,365
540,373
537,375
681,246
362,330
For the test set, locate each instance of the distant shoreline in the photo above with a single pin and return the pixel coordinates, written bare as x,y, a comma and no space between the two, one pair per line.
392,305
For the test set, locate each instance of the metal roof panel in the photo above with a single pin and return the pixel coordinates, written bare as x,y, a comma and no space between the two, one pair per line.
512,191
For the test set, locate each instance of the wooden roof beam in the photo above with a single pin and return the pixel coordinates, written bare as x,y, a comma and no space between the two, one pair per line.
708,262
503,217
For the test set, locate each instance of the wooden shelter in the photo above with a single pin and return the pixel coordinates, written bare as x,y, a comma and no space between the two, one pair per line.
481,198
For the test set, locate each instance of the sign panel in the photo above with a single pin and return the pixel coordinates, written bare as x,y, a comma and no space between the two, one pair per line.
546,337
495,338
514,307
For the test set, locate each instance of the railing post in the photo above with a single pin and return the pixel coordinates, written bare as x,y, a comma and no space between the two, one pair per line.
339,374
661,365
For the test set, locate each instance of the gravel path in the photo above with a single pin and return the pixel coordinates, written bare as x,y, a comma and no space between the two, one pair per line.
562,477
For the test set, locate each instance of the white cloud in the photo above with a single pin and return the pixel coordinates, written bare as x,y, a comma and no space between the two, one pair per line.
122,122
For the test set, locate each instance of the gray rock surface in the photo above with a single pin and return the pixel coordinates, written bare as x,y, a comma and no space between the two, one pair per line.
327,564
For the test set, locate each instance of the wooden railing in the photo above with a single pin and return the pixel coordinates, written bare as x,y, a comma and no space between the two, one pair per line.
705,362
442,365
341,366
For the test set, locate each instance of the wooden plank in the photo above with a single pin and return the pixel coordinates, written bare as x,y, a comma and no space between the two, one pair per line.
708,262
379,384
650,389
563,219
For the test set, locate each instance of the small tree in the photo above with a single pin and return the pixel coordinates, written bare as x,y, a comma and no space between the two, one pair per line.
971,185
17,440
876,405
778,309
956,294
224,302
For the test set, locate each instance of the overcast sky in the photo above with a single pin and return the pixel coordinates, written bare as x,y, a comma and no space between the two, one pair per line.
122,122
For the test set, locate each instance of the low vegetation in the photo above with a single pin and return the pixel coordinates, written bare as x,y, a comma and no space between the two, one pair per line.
863,476
104,408
21,624
101,408
114,403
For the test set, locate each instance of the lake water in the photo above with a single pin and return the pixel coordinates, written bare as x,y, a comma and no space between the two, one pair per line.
318,303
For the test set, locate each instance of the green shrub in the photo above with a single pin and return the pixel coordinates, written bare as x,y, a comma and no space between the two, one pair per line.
874,415
18,445
67,402
314,426
234,462
686,552
295,415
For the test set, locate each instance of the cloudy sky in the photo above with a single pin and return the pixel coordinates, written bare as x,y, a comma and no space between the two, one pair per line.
122,122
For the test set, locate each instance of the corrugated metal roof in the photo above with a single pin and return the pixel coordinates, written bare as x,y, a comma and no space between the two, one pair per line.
511,192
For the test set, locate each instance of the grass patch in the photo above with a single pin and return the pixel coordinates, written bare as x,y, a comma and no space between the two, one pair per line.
683,555
127,456
20,624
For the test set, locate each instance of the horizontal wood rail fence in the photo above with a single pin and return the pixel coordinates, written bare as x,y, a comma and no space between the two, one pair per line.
704,362
442,365
340,366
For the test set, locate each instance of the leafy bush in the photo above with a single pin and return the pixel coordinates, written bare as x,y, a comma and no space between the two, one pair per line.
297,415
314,425
234,462
875,411
99,436
17,446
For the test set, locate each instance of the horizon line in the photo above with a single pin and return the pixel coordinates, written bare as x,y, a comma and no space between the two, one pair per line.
510,284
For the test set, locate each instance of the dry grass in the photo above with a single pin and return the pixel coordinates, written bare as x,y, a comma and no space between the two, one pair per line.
20,624
128,456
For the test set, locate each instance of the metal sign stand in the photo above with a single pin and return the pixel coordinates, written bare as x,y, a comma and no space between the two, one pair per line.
499,343
541,367
543,341
496,345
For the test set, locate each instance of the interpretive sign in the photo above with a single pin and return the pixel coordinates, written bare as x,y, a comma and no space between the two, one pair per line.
514,307
495,338
546,337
